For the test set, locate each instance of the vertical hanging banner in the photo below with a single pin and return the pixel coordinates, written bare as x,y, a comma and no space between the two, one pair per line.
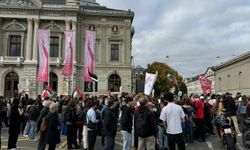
67,69
149,82
43,43
206,85
89,56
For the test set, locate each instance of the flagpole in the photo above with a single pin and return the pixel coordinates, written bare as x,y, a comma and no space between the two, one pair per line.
74,46
48,60
94,49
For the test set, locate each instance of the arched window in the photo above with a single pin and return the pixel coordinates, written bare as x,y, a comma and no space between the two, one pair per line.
114,83
11,84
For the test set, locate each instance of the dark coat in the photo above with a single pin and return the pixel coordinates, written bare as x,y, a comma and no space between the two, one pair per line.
126,119
43,113
230,106
52,133
110,123
14,120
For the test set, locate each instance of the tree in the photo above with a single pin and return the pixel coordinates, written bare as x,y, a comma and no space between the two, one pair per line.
162,83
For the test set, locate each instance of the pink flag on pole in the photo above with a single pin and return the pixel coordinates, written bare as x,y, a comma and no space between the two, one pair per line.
67,69
43,43
206,85
89,55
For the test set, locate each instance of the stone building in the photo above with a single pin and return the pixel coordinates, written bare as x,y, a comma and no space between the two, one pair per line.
193,85
233,75
19,22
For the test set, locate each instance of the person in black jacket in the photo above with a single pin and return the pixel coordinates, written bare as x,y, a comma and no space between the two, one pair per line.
230,106
52,132
126,123
15,123
145,126
70,118
109,127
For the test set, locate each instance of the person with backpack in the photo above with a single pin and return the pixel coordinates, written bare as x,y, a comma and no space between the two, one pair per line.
92,124
145,126
33,114
43,113
70,118
173,116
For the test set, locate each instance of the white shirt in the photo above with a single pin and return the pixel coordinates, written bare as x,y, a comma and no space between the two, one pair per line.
172,114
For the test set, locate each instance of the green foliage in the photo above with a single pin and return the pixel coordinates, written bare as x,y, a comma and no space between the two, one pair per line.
162,84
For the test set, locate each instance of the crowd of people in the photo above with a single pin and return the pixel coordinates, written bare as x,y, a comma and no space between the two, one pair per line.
144,122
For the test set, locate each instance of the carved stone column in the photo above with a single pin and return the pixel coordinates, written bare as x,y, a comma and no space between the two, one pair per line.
29,40
67,23
35,42
74,28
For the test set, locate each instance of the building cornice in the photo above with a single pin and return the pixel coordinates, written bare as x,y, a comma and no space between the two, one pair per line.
233,61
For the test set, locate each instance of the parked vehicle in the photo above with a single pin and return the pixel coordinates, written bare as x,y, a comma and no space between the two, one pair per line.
226,132
246,133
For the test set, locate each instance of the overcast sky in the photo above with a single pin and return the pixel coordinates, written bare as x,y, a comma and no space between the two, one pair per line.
191,32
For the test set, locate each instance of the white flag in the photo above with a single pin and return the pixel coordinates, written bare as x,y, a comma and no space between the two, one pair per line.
149,82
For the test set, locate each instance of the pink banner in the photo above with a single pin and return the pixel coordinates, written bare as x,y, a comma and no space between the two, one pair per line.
206,85
67,69
89,55
43,42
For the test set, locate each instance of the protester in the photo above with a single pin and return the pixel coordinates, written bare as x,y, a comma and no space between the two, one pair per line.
15,123
189,120
43,114
241,111
200,130
172,116
126,123
79,121
70,118
109,126
33,114
163,140
229,105
145,126
85,129
52,132
92,125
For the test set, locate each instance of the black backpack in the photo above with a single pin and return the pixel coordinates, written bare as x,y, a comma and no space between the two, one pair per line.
142,124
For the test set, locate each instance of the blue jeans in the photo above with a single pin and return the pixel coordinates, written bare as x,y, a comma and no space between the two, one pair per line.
163,140
127,140
30,129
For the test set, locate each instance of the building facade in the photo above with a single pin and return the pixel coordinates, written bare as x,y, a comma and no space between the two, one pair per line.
193,85
233,75
19,22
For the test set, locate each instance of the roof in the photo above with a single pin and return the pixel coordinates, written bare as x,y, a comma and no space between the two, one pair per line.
233,61
53,1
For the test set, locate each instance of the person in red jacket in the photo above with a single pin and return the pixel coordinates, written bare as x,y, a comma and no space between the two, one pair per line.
200,131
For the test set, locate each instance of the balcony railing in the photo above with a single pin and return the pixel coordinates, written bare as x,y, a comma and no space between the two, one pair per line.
16,60
55,61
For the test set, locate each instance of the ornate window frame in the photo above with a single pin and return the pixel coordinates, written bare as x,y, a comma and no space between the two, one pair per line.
14,28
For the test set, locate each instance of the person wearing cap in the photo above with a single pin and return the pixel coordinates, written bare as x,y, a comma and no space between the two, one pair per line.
173,116
126,123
